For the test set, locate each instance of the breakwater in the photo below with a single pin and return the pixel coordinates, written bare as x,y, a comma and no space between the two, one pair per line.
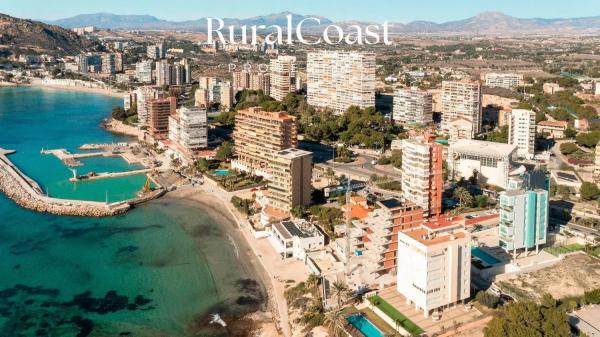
25,192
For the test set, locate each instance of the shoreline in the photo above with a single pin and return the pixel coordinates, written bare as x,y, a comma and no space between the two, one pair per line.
119,128
223,214
101,91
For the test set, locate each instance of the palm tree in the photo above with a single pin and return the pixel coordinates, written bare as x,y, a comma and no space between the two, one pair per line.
340,292
464,197
333,321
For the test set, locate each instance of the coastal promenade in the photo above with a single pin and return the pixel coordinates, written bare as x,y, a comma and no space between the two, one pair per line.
28,194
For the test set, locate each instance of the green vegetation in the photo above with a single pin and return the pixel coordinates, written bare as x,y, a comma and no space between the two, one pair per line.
465,199
125,116
395,315
529,319
327,217
489,300
390,185
568,148
589,191
395,159
242,205
225,151
588,139
498,136
235,180
556,251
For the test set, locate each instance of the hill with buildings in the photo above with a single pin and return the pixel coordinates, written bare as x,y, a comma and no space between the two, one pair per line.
22,34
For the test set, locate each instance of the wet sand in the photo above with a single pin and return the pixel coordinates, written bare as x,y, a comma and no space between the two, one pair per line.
100,91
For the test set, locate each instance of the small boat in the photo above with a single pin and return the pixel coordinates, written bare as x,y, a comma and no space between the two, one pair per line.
216,319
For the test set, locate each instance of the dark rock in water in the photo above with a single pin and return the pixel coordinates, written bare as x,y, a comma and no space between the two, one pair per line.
86,326
127,249
247,300
37,290
17,266
24,318
141,300
112,302
132,307
125,333
41,332
7,293
29,302
44,325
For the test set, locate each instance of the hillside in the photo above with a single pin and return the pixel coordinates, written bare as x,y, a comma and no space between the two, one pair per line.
20,34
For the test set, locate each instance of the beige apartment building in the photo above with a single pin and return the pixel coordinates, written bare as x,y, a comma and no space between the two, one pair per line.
290,175
461,99
252,80
434,267
337,80
413,106
282,76
159,111
521,132
258,135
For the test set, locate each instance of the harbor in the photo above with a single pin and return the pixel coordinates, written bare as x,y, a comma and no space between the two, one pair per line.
28,194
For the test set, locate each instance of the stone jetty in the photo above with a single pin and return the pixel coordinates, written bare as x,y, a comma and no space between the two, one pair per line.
25,192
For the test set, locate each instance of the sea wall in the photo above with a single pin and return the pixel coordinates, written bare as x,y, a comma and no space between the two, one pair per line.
18,188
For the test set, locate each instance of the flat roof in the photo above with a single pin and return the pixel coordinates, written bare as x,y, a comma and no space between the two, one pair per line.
293,153
482,147
423,236
391,203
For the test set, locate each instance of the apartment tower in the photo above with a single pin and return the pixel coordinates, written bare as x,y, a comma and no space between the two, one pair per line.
290,175
283,76
521,132
413,106
159,110
461,99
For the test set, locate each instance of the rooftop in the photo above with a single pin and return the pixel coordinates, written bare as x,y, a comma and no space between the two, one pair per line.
301,229
554,123
425,237
293,153
483,148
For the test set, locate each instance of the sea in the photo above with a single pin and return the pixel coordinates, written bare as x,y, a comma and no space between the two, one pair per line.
163,269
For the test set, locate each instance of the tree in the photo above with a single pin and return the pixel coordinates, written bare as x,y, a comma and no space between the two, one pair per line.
481,201
568,148
202,165
299,211
588,139
592,297
489,300
464,197
589,191
225,151
527,319
340,292
118,113
333,321
570,133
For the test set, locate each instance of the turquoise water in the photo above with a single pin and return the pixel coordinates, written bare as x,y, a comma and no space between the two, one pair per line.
222,172
484,256
363,325
156,271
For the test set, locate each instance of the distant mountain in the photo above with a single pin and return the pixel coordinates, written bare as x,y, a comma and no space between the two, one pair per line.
484,23
147,22
18,33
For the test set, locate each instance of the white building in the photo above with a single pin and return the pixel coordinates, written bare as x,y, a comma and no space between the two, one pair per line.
461,99
492,161
413,106
521,132
143,95
506,80
283,76
143,71
338,80
294,239
434,267
155,51
597,88
164,73
189,128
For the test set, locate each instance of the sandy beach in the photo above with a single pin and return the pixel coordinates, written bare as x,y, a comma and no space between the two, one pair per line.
100,91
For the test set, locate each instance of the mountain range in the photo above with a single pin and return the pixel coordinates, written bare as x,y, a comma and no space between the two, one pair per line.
485,23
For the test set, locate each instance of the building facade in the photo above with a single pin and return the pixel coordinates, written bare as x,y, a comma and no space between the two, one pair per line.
193,128
143,96
282,76
434,267
505,80
422,170
412,106
524,213
258,135
159,110
290,176
461,99
338,80
521,132
143,71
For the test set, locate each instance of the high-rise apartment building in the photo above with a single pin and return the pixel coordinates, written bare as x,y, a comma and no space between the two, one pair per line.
155,51
164,73
159,110
189,128
143,71
83,64
422,173
505,80
252,80
258,135
290,176
521,132
597,164
524,212
108,63
413,106
283,76
226,99
434,267
118,62
338,80
143,96
461,99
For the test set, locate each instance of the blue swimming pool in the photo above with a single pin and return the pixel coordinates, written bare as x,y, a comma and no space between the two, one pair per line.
360,322
484,256
222,172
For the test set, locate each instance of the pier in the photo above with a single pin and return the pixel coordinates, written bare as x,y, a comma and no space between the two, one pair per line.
28,194
109,175
72,160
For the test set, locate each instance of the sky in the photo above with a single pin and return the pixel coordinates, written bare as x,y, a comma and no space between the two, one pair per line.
337,10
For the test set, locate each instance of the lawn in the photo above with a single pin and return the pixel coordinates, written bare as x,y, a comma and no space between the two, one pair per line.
556,251
396,315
